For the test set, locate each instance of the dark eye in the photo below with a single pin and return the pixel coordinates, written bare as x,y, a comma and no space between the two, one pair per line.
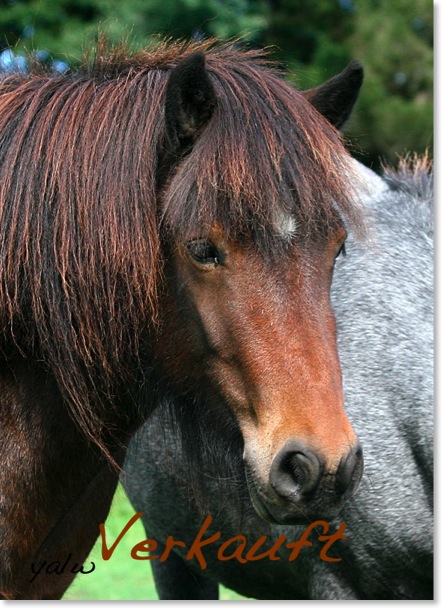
204,252
341,251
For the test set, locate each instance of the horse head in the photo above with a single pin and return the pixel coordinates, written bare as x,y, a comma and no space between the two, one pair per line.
246,318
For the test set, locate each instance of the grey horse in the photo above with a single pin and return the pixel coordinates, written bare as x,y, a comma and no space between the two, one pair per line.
380,546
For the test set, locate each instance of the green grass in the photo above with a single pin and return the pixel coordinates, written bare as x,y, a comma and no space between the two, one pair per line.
121,577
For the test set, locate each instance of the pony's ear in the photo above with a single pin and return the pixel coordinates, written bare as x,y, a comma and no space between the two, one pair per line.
189,105
335,98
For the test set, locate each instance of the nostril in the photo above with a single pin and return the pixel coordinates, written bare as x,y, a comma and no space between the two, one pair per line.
350,470
305,469
295,472
295,465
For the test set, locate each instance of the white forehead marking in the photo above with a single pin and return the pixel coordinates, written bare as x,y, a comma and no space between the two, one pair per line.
286,225
370,185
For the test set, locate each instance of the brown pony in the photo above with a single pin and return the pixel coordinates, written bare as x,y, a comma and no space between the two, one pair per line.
169,222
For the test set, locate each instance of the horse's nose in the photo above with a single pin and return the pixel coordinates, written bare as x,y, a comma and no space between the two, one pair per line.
350,470
296,471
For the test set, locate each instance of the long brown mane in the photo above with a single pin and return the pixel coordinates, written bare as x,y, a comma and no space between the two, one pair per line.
81,217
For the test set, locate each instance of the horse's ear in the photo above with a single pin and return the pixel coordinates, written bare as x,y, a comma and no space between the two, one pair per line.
190,101
335,98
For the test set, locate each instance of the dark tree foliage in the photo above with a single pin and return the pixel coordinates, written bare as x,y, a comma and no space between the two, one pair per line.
312,40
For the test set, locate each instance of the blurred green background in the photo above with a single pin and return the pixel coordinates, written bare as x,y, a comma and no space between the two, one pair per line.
313,40
121,577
